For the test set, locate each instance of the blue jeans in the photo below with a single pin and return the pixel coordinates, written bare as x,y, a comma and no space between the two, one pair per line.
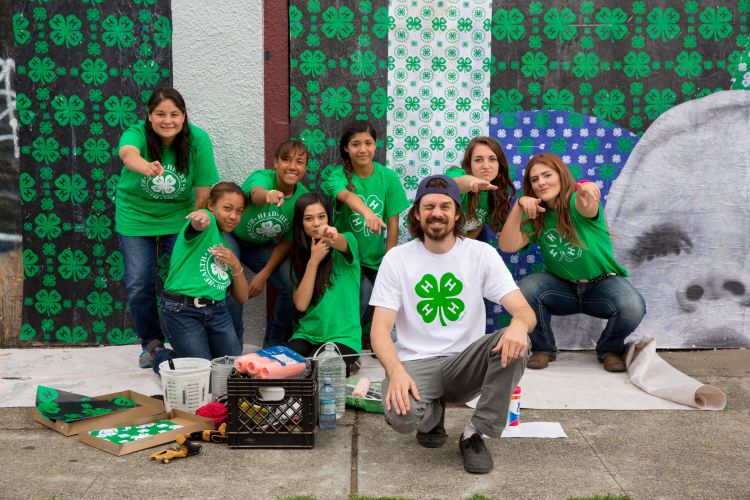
139,256
366,285
200,332
613,299
255,257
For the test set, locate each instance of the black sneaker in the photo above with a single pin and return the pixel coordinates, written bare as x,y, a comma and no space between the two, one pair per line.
477,458
437,436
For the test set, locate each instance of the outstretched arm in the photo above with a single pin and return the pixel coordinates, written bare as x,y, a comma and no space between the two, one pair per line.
511,237
400,383
355,203
261,196
469,183
587,201
133,160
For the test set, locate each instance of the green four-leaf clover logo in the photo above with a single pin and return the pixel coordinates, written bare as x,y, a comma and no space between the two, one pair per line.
559,248
440,300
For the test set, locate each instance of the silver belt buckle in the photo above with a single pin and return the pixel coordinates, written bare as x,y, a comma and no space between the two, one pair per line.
197,302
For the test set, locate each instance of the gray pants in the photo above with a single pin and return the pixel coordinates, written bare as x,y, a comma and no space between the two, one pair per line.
457,379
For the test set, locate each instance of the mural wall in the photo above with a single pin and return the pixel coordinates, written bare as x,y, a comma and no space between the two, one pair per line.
584,80
84,71
11,270
602,83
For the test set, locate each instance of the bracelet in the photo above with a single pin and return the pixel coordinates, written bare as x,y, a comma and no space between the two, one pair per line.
239,272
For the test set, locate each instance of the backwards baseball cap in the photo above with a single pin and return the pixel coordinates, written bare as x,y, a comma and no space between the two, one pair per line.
451,190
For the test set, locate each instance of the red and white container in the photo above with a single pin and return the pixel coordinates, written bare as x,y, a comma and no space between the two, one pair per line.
514,412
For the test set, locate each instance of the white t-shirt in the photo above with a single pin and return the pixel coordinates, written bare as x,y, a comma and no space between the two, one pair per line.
438,297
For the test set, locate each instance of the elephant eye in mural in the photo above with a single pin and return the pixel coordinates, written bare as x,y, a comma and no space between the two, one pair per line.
680,215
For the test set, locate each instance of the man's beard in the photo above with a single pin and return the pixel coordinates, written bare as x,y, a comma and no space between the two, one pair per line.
434,233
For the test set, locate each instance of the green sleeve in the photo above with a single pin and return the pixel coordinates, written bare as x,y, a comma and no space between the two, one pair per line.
396,201
455,172
260,178
202,158
335,183
135,136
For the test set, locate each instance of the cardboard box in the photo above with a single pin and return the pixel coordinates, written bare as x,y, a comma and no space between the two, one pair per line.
148,406
188,422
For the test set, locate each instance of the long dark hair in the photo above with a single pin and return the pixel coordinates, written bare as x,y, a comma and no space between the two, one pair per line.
302,243
498,201
350,130
181,143
561,204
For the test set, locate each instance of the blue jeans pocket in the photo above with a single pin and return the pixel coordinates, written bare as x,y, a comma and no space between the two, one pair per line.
171,307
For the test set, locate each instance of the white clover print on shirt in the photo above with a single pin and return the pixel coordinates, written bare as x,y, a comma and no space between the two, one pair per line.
168,186
215,273
267,226
357,222
440,300
560,249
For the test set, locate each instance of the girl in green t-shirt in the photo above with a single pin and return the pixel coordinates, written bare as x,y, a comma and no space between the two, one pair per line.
168,168
485,180
326,276
263,238
367,194
581,273
193,303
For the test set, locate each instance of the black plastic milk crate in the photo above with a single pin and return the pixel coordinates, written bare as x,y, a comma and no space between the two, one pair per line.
289,422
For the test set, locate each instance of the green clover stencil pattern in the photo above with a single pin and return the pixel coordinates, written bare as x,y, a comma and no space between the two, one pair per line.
623,62
84,71
338,72
441,300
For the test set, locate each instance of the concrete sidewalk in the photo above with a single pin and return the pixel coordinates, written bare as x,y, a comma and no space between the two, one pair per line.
642,454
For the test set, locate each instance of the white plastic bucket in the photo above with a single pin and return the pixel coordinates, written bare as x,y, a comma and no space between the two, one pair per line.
185,387
221,368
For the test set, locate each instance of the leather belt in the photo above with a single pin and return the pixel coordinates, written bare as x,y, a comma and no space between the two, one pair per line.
192,301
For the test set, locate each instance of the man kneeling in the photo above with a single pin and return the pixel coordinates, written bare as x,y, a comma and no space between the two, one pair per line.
432,289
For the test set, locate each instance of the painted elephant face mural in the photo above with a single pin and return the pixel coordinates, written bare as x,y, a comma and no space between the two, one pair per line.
680,213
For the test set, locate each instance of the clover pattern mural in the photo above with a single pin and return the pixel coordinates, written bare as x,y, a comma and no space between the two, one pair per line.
338,69
439,59
84,72
626,62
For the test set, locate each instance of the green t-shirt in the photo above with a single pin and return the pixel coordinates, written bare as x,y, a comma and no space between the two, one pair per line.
155,206
335,318
261,224
193,271
382,192
569,261
482,211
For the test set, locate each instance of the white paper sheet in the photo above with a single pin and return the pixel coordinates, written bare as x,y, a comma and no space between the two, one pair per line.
535,430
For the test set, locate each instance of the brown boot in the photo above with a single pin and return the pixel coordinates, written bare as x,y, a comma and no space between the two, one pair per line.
613,362
540,360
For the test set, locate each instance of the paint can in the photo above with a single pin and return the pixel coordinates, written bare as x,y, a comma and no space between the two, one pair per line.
514,412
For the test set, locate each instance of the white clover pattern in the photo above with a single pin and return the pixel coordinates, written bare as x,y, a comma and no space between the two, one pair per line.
440,84
219,269
268,229
164,184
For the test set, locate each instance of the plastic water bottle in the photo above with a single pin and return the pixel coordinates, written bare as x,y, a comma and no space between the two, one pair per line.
327,418
331,365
